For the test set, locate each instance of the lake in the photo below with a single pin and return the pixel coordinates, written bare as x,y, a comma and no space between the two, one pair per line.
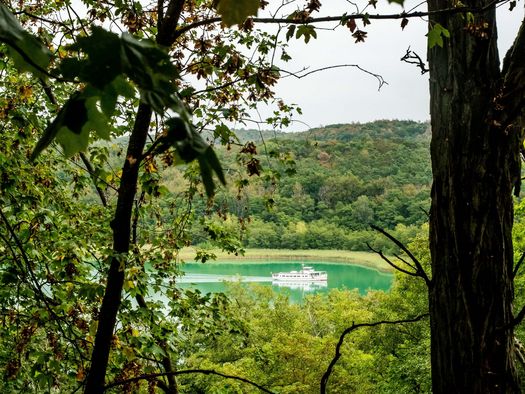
211,277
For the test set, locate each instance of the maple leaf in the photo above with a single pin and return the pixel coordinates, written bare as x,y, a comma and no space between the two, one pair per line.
351,25
359,36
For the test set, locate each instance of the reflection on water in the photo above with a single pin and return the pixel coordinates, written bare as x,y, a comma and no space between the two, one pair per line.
213,277
210,278
303,286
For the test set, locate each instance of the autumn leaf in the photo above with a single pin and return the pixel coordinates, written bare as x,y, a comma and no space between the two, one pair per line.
234,12
351,25
359,36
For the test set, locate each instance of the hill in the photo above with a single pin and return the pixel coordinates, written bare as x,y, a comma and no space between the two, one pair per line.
323,188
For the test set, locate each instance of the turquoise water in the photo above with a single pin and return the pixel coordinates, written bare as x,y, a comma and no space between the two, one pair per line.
211,277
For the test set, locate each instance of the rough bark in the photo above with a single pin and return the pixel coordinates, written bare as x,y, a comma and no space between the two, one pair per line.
475,161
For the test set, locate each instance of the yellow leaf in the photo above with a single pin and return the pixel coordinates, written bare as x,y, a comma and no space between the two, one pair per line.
234,12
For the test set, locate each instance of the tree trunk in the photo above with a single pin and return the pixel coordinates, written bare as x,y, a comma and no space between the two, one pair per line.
474,164
121,226
121,223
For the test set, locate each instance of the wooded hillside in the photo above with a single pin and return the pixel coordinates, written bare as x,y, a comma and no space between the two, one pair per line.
322,189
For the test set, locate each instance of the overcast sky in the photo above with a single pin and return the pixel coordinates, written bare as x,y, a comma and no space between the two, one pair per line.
347,95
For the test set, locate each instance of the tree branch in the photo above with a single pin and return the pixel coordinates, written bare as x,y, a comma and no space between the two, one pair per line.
353,327
91,172
121,227
419,268
167,29
411,57
519,318
389,262
298,75
344,18
185,372
518,265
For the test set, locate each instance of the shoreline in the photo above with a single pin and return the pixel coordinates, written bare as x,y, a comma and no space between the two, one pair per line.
364,259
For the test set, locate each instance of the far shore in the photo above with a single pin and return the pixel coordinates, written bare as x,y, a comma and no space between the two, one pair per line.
366,259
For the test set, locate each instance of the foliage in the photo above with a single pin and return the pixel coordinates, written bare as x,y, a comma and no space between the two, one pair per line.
88,83
285,345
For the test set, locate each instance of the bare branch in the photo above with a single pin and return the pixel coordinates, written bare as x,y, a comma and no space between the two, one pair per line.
404,261
299,74
413,58
91,172
338,354
389,262
518,265
185,372
419,268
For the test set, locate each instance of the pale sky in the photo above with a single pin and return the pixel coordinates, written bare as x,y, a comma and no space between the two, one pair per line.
348,95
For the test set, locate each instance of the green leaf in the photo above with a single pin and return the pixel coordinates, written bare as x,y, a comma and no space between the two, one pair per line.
189,146
103,63
307,31
436,34
73,142
72,125
96,120
27,52
52,130
234,12
151,69
290,32
207,177
215,164
75,114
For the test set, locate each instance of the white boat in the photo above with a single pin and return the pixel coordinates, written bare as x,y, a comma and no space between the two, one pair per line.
306,274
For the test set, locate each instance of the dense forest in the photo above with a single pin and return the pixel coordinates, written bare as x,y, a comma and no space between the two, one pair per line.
322,189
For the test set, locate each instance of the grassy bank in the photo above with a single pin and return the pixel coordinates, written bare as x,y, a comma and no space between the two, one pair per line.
366,259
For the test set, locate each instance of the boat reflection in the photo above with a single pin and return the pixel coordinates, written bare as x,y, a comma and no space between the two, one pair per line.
304,286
